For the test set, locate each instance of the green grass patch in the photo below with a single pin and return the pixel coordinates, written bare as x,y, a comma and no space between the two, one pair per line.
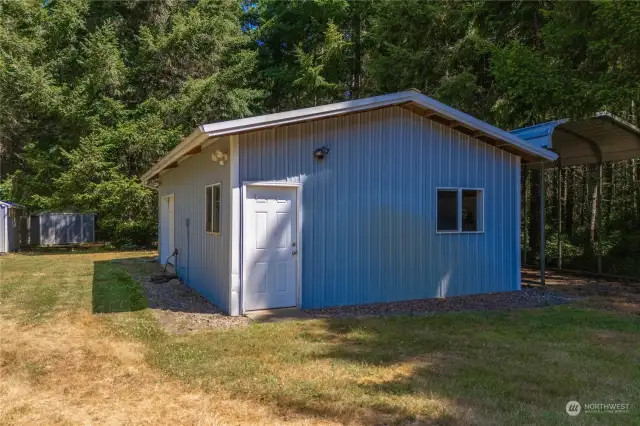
115,291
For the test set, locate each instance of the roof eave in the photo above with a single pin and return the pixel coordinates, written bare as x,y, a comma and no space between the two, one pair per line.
326,111
617,121
306,114
206,131
14,205
191,142
499,134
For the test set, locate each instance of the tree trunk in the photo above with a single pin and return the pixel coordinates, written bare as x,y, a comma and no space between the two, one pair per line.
357,51
634,188
569,200
534,214
610,191
593,202
584,197
554,191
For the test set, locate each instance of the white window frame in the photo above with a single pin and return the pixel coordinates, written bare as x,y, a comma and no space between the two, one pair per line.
459,210
219,232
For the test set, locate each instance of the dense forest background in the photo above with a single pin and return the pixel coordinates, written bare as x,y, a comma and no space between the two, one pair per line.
93,92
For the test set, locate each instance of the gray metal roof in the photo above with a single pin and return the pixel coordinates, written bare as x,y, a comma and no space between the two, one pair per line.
603,137
411,99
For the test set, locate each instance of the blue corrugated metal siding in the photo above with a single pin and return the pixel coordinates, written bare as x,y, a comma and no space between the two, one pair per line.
369,208
203,259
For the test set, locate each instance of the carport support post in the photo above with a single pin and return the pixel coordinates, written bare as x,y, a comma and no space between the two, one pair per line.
542,234
559,214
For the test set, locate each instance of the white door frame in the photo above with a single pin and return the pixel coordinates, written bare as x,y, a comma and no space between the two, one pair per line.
298,187
165,211
4,225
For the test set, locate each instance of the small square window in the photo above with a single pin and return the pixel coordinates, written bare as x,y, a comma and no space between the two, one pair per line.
212,208
460,210
447,210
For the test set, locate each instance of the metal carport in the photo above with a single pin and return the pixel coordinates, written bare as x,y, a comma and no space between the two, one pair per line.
594,140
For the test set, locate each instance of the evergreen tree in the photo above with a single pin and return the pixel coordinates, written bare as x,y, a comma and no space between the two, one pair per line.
93,93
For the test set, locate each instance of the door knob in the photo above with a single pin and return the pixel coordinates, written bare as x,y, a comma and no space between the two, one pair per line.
294,252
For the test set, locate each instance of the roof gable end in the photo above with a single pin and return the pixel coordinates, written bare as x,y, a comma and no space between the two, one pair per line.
411,99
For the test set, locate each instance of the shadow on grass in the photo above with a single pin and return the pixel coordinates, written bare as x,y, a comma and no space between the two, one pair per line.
617,294
122,285
458,368
416,366
79,249
514,365
113,289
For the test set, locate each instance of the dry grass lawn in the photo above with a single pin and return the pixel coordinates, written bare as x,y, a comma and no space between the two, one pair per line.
61,364
78,346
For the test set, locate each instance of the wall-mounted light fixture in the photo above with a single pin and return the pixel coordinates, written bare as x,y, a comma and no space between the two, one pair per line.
219,157
320,153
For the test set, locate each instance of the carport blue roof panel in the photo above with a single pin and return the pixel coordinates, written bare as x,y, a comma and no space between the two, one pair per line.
539,134
603,137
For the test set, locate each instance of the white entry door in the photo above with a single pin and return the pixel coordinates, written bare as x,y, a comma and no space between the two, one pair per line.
270,247
167,236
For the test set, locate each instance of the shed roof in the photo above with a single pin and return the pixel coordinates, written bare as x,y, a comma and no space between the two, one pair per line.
411,99
11,204
603,137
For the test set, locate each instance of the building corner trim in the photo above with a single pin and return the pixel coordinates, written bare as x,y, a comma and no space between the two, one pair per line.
235,302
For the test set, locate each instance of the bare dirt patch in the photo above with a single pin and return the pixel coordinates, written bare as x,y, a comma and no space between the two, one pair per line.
178,308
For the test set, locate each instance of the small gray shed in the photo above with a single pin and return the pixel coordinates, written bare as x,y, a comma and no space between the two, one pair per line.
51,229
9,226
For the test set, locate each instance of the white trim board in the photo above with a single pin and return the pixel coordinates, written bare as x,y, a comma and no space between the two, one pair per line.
4,218
235,228
299,243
